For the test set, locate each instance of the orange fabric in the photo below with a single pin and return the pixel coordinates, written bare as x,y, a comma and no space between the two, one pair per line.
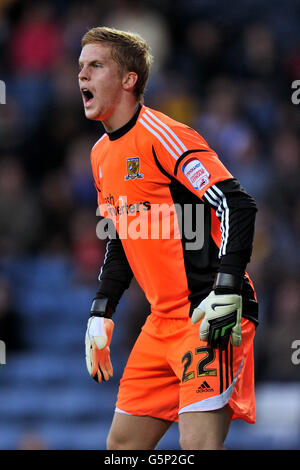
157,264
170,368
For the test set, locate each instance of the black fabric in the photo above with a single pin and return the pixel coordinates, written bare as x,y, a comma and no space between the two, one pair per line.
227,283
102,307
116,274
242,212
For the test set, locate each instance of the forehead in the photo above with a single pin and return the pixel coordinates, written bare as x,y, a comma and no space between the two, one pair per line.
97,51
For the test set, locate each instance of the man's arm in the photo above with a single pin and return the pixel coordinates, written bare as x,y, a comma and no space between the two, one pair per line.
115,276
221,311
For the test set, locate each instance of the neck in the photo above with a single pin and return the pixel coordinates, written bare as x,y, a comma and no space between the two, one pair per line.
120,116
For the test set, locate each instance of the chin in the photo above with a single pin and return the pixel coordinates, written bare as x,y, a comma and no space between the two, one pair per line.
92,115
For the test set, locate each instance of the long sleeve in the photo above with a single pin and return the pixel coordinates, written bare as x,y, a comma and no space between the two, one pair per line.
115,274
236,211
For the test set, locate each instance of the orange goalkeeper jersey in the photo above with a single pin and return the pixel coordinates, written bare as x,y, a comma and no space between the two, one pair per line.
158,181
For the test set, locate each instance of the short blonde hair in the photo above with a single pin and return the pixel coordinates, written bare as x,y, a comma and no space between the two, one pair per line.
129,50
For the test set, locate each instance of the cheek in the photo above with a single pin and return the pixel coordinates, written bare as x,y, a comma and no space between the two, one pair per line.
110,86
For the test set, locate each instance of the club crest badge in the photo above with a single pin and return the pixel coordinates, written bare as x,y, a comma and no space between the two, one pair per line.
133,168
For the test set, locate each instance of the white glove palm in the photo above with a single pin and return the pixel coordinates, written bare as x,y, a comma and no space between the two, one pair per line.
221,319
97,353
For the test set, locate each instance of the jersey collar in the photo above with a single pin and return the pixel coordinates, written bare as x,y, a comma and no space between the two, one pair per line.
124,129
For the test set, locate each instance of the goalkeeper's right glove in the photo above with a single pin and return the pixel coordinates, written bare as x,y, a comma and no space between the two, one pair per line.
97,341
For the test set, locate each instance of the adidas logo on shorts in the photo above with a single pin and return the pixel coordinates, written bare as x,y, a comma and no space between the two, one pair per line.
204,387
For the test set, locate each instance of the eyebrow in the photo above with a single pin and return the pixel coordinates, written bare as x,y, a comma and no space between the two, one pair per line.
92,62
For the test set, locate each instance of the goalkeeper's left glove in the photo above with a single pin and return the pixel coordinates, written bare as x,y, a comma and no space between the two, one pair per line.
221,313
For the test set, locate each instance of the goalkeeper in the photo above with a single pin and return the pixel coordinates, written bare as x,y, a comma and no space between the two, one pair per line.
193,360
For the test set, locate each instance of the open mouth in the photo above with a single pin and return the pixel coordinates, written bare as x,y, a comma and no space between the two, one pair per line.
87,96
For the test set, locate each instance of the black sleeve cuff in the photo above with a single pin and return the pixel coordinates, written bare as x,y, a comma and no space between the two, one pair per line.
102,307
227,284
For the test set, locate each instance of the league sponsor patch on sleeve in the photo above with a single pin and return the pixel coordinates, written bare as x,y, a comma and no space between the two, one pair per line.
196,173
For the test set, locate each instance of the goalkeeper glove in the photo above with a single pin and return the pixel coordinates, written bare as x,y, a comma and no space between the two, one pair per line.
221,315
97,341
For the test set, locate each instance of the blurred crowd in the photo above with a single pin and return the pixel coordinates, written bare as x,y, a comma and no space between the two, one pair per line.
224,68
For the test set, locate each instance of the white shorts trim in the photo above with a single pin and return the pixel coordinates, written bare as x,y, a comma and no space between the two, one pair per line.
213,403
117,410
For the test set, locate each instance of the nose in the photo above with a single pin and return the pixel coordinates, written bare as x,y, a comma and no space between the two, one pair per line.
83,74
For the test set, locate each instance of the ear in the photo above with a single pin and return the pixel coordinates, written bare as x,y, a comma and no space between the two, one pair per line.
129,81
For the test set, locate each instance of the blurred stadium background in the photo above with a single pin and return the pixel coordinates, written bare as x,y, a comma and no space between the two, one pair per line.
226,69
